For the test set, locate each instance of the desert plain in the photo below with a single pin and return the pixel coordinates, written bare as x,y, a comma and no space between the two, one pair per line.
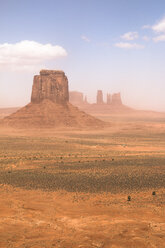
69,188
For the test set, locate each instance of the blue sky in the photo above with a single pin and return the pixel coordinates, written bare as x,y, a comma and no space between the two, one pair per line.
113,45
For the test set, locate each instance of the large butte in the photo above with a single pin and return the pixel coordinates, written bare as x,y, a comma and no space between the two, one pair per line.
50,107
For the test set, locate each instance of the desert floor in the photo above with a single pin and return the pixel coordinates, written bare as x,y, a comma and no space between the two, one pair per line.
70,188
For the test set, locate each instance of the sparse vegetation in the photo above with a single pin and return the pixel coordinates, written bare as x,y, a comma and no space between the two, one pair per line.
129,198
49,163
97,178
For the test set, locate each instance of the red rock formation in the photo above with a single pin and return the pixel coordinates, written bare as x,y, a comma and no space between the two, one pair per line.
52,85
76,98
116,99
108,98
50,107
100,97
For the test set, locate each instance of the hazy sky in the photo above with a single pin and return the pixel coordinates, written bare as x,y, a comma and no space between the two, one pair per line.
113,45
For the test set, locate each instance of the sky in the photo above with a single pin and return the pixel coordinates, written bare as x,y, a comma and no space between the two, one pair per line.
112,45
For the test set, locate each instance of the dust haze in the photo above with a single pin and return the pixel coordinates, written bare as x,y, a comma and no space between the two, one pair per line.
138,92
82,124
75,173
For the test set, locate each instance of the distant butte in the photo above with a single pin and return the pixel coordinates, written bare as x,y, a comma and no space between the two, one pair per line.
50,107
78,99
113,103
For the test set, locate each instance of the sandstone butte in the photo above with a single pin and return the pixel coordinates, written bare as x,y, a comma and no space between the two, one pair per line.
50,107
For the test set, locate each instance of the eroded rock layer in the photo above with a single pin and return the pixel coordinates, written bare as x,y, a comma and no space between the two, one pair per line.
50,107
52,85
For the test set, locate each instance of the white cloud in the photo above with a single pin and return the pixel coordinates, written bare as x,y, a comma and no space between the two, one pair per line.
28,54
85,38
159,38
159,27
130,36
146,38
127,45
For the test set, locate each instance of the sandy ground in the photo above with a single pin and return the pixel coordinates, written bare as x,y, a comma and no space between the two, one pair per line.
61,219
34,219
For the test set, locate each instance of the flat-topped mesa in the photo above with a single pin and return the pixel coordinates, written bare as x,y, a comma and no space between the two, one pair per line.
76,97
52,85
116,99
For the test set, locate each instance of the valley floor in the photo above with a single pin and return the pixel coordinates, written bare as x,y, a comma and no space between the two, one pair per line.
70,189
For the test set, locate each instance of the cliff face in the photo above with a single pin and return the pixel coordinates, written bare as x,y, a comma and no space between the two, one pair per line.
76,97
108,98
116,99
99,98
50,107
52,85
